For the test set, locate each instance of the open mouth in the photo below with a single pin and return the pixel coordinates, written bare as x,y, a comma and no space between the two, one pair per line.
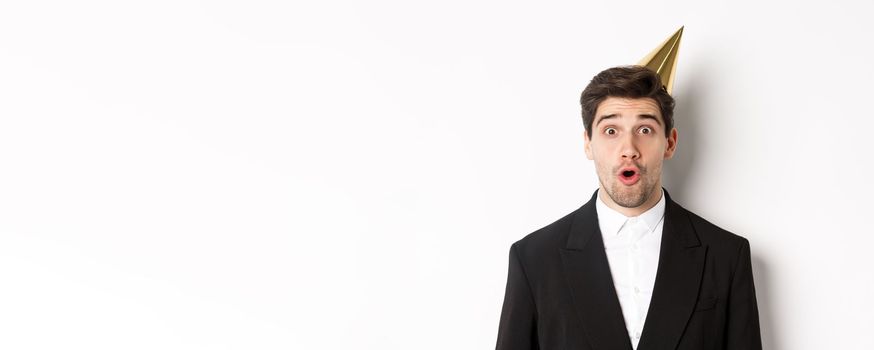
629,176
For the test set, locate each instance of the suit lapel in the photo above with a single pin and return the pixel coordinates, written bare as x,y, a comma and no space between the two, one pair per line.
587,271
588,274
681,265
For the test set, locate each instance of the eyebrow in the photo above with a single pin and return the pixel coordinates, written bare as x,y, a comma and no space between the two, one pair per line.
639,116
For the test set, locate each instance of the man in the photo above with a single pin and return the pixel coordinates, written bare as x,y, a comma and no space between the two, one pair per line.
631,268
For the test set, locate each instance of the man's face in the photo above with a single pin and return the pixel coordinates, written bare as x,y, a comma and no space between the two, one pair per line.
628,145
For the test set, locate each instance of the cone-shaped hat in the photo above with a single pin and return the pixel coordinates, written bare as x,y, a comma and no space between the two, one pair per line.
663,60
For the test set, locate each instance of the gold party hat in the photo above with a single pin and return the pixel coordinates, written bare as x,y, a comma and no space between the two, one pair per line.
663,60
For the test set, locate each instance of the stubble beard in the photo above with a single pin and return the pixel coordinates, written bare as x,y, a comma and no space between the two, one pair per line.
630,196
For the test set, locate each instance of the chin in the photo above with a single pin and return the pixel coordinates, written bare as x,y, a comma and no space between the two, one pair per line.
629,197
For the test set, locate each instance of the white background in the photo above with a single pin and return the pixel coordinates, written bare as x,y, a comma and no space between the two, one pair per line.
350,175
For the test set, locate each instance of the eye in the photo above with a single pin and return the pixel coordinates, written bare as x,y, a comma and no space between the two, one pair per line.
646,130
610,131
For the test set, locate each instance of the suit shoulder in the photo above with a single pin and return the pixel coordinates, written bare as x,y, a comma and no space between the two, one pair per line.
714,235
548,237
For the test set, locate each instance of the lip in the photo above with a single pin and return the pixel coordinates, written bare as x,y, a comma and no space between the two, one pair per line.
628,181
632,168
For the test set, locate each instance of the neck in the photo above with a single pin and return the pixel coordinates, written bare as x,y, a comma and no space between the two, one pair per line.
650,202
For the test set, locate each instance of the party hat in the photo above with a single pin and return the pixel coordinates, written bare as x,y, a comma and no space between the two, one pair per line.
663,60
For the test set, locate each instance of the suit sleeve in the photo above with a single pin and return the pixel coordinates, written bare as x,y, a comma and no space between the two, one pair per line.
518,326
742,327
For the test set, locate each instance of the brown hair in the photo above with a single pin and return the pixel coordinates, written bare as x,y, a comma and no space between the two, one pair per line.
627,82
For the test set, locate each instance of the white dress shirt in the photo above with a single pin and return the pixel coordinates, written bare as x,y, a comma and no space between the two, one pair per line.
632,245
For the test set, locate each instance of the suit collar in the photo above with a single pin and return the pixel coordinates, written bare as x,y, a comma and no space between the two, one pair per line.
611,221
585,223
587,272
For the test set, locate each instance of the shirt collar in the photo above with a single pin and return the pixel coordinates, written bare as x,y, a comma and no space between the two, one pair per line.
611,221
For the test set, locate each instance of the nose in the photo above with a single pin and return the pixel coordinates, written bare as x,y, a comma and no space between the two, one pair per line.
629,148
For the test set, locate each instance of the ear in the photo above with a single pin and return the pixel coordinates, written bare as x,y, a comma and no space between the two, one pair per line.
587,145
672,143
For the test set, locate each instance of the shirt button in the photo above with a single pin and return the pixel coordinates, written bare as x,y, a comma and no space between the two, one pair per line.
637,335
636,290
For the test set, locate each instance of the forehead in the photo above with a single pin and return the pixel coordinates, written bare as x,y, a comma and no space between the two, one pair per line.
627,106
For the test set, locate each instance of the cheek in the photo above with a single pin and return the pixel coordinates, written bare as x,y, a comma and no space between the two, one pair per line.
602,166
598,157
656,148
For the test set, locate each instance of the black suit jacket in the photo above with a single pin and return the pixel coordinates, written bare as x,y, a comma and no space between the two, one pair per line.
560,293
